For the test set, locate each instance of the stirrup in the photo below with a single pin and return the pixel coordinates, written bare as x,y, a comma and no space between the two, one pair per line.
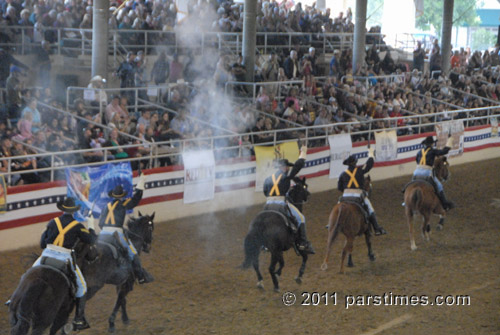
80,324
380,231
307,248
145,278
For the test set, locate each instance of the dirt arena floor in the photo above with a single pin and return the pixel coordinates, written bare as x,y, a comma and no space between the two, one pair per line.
200,290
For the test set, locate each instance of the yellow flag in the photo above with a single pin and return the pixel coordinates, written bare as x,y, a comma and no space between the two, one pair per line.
3,195
266,156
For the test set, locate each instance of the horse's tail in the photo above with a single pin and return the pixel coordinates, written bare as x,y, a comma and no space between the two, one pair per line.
417,197
252,248
21,307
333,235
336,227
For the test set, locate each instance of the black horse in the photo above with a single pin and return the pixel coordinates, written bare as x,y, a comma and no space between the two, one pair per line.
44,297
269,229
113,266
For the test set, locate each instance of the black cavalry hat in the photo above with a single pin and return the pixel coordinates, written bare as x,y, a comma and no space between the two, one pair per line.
68,205
429,140
351,160
118,192
284,162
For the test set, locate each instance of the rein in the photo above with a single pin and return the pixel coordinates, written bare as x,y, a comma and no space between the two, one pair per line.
129,232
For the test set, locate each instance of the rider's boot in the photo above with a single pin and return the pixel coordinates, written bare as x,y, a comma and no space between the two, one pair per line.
303,243
140,273
378,229
80,323
447,205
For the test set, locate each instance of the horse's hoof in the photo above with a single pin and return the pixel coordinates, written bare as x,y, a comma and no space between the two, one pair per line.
260,285
67,329
413,247
371,257
439,227
298,280
277,289
126,322
111,329
324,266
350,265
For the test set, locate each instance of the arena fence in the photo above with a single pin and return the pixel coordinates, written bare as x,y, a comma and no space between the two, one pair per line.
239,145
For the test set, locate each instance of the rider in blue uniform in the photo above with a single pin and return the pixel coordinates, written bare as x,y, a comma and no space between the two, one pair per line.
425,162
277,185
351,183
112,219
58,240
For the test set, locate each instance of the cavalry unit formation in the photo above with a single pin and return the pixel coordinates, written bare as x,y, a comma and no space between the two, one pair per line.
76,262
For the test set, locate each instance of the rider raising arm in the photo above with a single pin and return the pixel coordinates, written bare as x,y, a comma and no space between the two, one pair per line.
351,183
359,175
425,161
276,187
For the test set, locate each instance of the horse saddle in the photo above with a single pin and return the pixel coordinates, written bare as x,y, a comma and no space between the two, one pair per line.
113,244
358,201
428,180
282,210
63,268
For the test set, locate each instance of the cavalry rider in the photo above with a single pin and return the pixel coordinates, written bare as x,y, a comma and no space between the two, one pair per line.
425,162
277,185
351,183
113,217
58,240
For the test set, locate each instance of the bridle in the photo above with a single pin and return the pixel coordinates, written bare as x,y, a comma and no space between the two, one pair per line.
143,241
305,200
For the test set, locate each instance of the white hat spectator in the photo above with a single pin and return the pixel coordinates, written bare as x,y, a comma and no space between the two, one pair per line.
97,79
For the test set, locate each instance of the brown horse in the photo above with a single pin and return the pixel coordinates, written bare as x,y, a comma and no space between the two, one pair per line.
420,198
348,218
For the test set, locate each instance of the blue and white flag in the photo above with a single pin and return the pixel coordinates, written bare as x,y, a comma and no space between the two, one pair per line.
90,186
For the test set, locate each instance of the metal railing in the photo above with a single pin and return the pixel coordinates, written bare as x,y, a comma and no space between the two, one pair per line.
368,80
408,41
133,94
75,41
274,87
234,145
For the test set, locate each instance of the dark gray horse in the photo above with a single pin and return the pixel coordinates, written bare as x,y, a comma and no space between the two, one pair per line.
113,266
44,297
269,229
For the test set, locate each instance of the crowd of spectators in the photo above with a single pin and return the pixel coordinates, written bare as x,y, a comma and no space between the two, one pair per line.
33,120
156,23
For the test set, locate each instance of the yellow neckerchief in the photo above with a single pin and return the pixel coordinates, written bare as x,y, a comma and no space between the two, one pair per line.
353,179
111,215
423,159
275,185
59,241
